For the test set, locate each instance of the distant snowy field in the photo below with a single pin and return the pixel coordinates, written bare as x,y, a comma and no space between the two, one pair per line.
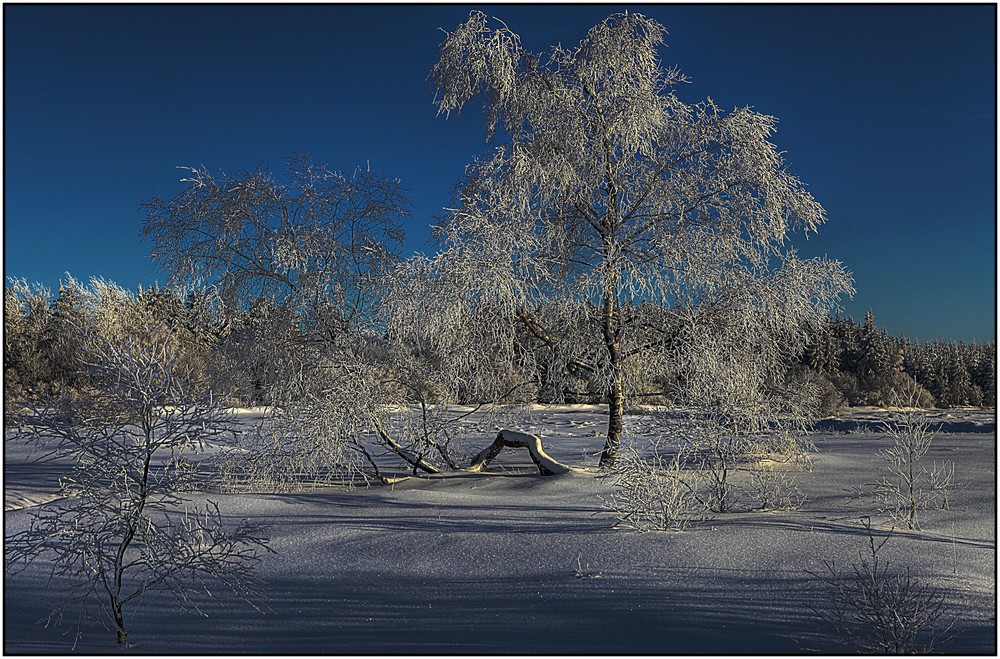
508,561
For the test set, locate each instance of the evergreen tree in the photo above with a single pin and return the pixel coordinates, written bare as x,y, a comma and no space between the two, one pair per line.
822,353
875,362
984,374
163,305
951,384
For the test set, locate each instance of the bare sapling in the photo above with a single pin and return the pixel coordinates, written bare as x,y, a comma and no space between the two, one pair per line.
874,608
770,480
717,455
122,526
910,487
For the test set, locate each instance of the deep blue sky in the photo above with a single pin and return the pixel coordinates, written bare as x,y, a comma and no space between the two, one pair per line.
887,112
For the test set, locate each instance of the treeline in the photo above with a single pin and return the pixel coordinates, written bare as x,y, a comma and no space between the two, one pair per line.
249,356
235,355
860,364
45,352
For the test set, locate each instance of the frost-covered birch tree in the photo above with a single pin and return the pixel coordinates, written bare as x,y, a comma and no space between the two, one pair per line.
608,206
315,240
306,255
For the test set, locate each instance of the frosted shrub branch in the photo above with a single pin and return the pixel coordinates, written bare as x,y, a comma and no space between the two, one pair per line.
654,492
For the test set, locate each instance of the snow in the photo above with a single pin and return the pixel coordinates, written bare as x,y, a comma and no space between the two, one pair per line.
473,563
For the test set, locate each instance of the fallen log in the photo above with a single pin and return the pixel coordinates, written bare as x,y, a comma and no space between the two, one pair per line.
512,439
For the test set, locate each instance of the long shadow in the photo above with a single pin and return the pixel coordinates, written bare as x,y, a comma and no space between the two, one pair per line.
851,527
382,513
410,599
674,611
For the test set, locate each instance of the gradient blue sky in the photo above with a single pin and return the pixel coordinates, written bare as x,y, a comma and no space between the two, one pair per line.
887,112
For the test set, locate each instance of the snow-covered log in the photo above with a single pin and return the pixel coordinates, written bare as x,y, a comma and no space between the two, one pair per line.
512,439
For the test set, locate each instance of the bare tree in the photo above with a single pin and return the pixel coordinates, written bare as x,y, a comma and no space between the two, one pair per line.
121,528
910,486
609,195
314,248
316,241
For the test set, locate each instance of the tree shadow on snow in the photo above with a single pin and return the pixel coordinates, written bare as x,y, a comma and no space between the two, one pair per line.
675,611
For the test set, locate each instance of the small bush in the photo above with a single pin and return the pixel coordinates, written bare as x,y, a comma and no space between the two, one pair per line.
654,492
773,488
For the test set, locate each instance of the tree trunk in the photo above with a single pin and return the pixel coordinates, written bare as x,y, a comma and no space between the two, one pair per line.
616,421
415,461
616,393
116,608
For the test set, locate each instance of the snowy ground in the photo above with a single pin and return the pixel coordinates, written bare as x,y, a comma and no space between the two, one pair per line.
512,562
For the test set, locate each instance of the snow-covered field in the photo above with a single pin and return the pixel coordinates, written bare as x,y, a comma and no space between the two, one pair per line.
508,561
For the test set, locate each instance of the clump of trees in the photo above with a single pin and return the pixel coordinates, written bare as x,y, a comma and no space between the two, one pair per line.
44,333
240,354
864,365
